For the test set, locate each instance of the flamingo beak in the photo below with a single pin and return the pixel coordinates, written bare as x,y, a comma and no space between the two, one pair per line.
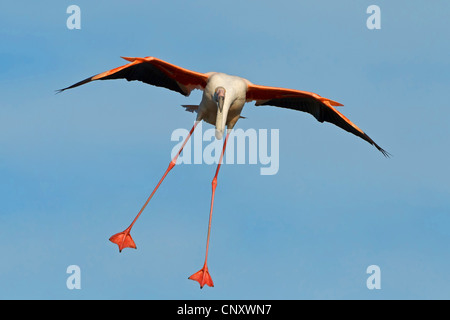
220,100
222,111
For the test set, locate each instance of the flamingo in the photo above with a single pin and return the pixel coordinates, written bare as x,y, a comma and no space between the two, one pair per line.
223,99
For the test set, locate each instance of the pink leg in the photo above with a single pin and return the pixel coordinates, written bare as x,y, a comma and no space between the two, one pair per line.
202,276
123,239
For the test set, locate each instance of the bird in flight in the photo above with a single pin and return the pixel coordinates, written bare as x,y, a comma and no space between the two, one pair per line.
224,97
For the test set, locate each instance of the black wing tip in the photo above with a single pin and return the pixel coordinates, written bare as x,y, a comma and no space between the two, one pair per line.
75,85
384,152
368,139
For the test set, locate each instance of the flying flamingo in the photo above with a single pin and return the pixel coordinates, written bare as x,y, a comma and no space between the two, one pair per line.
223,98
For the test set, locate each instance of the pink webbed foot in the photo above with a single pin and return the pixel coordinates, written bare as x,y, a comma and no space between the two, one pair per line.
203,277
123,240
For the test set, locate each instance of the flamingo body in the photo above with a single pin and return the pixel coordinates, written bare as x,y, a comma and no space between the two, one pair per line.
235,88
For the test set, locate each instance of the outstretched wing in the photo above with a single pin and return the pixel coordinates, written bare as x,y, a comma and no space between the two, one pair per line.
321,108
153,71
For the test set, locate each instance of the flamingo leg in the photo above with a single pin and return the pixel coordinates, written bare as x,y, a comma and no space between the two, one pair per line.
123,239
202,276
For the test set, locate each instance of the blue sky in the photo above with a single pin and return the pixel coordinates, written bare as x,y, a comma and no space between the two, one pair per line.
76,167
